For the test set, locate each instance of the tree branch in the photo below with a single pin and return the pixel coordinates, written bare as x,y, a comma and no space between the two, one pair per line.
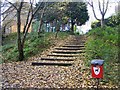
28,15
41,17
24,37
94,12
6,13
106,7
21,5
37,9
8,10
89,3
100,7
28,26
103,6
5,17
12,4
31,3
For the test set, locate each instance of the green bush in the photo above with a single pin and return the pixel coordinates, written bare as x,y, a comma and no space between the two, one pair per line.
102,43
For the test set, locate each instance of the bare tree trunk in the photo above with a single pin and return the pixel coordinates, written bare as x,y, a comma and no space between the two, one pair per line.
27,28
57,29
39,28
41,21
20,46
3,31
72,26
56,35
102,22
21,52
21,40
27,20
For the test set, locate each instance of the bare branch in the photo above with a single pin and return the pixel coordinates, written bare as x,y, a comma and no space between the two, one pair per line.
37,9
21,5
106,7
27,28
89,3
28,16
94,11
24,37
40,24
100,7
31,3
12,4
5,17
8,10
103,6
5,6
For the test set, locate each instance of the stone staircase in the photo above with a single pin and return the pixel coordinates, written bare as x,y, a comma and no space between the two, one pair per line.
64,55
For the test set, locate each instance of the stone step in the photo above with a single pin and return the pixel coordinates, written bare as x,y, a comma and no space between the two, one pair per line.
73,46
57,59
75,41
68,51
51,64
69,48
63,55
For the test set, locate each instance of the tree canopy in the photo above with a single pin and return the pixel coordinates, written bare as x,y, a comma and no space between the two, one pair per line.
76,12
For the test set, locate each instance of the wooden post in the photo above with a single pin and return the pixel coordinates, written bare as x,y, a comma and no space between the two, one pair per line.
97,83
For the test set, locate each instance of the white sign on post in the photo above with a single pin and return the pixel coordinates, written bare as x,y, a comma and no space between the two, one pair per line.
96,70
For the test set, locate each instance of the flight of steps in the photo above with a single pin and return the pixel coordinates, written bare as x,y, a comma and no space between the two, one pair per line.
64,55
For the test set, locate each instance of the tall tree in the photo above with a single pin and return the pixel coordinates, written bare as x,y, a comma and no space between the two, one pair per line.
31,13
77,12
103,7
55,14
40,14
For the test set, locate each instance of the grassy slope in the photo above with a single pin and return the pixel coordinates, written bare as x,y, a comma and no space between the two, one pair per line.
33,44
102,44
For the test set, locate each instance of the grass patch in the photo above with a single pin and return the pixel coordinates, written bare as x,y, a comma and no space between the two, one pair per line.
33,45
